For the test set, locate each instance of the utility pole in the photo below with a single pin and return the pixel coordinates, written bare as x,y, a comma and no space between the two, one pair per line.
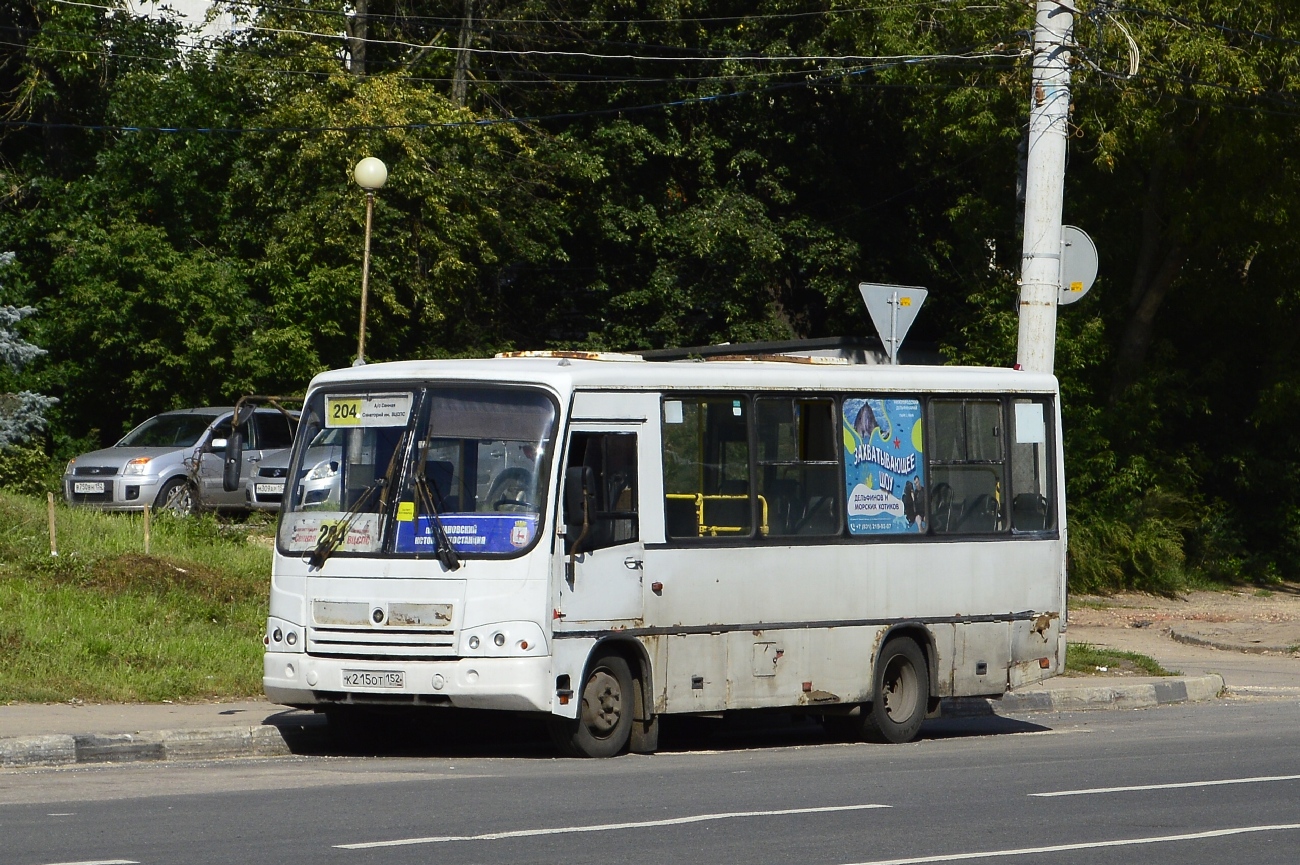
461,75
357,29
1049,115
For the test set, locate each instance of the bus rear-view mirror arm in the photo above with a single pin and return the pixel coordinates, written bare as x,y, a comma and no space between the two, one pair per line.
578,487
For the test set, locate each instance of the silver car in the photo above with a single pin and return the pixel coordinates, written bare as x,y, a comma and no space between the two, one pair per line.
174,461
320,480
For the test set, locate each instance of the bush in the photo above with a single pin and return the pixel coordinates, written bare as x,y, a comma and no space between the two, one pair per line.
1140,549
27,470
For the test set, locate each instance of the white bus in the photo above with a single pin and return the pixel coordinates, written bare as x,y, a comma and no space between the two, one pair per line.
605,540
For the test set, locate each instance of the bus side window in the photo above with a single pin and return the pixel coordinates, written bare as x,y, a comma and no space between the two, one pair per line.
612,516
1031,469
798,466
967,467
706,468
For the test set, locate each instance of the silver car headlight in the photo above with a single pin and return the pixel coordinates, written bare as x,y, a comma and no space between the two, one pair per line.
322,470
137,466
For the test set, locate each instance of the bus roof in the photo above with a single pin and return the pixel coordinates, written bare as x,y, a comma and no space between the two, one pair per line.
565,372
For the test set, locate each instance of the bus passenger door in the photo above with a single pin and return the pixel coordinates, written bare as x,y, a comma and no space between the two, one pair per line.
603,554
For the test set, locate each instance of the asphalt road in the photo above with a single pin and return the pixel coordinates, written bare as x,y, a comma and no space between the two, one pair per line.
1201,783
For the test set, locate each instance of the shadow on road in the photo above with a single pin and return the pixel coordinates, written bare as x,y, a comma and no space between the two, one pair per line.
466,733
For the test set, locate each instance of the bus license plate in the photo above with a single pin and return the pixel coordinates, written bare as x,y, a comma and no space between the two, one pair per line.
88,487
268,489
381,679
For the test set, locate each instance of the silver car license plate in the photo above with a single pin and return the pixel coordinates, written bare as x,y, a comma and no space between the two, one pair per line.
378,679
268,489
88,487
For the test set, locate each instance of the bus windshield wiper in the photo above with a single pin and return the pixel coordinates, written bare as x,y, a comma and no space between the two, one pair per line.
442,547
328,542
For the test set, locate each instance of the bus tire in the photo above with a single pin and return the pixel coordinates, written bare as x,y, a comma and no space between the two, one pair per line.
604,722
900,695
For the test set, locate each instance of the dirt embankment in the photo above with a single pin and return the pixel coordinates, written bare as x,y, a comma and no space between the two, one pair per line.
1264,621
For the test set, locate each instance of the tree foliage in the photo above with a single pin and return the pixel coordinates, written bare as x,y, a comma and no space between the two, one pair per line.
644,174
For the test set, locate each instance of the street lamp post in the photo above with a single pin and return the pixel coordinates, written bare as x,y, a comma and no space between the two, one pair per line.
370,174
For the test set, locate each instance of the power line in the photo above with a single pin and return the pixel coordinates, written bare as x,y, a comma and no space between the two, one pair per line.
459,124
1222,28
858,58
252,4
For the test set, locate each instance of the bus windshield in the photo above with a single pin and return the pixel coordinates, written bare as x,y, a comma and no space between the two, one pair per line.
419,471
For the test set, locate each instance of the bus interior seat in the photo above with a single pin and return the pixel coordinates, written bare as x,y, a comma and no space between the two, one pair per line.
680,518
820,518
785,505
1029,512
980,514
941,507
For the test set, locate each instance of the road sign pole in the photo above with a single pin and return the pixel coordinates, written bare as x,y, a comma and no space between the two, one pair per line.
893,329
1040,261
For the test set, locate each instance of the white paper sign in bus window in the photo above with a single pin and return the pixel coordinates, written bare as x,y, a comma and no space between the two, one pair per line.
367,410
1030,425
883,466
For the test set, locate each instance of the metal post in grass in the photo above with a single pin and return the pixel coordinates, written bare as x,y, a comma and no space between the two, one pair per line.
54,544
146,529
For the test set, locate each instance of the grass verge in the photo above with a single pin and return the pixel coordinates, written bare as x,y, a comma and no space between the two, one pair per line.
1083,659
104,622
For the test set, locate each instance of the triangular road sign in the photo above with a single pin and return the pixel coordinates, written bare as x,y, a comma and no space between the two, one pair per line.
893,308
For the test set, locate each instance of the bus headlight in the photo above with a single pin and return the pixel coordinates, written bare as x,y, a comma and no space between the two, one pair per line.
503,640
282,636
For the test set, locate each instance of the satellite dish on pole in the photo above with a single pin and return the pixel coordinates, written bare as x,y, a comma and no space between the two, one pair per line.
893,308
1078,264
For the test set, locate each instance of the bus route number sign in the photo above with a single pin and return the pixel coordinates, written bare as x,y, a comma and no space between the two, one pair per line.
367,410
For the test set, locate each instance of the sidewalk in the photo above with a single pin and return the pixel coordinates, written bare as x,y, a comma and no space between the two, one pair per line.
1232,660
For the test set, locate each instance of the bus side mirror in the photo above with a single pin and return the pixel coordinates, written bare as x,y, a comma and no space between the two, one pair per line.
234,462
579,489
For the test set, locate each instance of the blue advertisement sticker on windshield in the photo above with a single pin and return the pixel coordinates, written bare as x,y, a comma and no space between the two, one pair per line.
883,466
469,533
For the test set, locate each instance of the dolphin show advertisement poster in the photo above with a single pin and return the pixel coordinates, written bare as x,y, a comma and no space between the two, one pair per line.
883,466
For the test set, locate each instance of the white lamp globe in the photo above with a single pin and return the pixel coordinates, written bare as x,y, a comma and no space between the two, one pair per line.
370,173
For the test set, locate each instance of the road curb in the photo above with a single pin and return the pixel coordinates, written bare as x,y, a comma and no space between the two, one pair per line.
1227,644
263,740
1179,689
268,740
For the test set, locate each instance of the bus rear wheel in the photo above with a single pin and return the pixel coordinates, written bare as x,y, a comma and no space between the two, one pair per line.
900,695
604,722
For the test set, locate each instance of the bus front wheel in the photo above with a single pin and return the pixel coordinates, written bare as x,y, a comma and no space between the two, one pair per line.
604,721
900,696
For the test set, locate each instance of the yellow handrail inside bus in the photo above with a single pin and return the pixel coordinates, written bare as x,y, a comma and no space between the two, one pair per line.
699,499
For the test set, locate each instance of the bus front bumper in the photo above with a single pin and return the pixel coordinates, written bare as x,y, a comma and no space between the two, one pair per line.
512,684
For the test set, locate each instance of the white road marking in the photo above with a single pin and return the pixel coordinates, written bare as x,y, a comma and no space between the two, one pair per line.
100,862
604,827
1258,780
1091,845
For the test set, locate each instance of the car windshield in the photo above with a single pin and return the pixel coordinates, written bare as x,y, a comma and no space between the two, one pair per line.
168,430
447,470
